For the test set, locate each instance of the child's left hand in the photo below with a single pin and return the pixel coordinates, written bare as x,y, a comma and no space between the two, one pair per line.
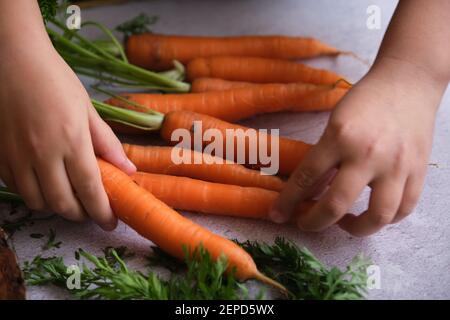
380,136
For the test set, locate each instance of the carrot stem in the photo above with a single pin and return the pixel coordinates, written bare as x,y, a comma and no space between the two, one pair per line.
140,107
110,35
86,53
141,120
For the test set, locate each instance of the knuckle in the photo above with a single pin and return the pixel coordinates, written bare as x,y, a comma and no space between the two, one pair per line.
406,208
34,204
400,159
68,210
61,206
342,131
335,208
77,216
371,147
87,188
409,203
400,215
71,135
38,148
381,218
32,200
36,142
303,179
353,138
104,148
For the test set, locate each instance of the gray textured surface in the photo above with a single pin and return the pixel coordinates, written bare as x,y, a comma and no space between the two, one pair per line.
413,256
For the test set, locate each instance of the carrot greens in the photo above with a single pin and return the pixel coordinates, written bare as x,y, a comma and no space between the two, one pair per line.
109,277
105,60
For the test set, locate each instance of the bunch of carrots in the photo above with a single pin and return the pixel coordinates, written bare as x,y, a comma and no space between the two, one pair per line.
232,78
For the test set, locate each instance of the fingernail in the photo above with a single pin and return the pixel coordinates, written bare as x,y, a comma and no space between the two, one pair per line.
131,165
109,226
276,216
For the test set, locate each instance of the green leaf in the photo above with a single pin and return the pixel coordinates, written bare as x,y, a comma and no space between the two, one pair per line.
137,25
51,241
304,275
48,8
200,277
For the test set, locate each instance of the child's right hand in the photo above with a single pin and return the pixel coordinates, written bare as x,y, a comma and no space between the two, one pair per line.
50,136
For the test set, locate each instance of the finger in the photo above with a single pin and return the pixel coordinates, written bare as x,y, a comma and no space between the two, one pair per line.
383,204
7,178
325,181
58,192
318,161
411,195
106,145
28,187
334,204
84,176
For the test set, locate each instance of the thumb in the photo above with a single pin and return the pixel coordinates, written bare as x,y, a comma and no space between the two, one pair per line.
106,145
304,182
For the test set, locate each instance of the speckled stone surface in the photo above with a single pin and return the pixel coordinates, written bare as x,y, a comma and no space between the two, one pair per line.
413,256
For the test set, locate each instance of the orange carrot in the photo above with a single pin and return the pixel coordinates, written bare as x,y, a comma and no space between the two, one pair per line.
261,70
236,104
155,51
291,152
157,222
211,198
216,84
154,159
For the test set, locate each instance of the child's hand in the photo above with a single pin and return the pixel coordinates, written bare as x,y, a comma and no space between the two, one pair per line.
49,133
380,135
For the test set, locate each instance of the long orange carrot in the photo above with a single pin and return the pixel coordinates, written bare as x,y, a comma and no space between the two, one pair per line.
155,51
216,84
261,70
157,222
211,198
241,103
155,159
291,152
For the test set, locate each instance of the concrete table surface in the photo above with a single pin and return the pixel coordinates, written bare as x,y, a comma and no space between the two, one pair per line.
413,256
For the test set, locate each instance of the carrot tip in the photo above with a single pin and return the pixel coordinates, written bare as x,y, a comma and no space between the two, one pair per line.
354,55
265,279
347,83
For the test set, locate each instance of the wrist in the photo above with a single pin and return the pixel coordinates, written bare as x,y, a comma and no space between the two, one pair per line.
404,71
22,31
404,78
402,85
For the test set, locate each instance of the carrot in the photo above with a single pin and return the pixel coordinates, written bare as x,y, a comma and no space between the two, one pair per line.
291,152
211,198
261,70
154,159
216,84
236,104
157,51
157,222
